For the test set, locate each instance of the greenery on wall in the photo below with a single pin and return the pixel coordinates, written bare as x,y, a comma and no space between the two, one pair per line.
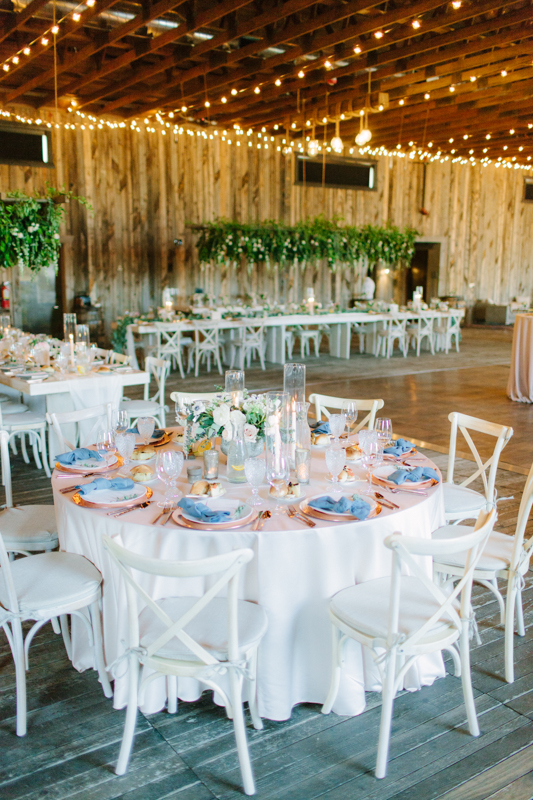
270,243
29,228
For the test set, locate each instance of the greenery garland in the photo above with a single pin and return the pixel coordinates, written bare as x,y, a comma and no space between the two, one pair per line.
29,228
269,242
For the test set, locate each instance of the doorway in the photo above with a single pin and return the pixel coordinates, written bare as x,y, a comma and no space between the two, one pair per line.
422,271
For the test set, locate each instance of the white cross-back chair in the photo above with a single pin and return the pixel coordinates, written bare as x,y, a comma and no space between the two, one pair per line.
460,502
29,424
205,637
361,330
420,329
324,402
171,343
26,529
306,335
249,341
100,353
399,618
393,330
150,406
504,557
206,346
184,398
41,588
119,358
446,329
101,414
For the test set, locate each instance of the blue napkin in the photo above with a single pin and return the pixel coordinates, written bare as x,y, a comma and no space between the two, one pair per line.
202,512
157,434
80,454
117,484
321,427
356,506
402,446
417,474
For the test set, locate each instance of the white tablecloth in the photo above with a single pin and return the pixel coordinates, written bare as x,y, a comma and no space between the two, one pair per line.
295,571
520,384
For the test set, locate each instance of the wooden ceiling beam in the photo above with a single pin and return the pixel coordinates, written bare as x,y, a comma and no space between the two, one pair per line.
18,18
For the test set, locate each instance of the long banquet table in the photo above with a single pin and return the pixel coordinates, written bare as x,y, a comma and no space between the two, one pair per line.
295,571
339,324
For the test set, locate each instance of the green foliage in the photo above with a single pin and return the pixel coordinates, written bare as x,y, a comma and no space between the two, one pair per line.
29,228
319,239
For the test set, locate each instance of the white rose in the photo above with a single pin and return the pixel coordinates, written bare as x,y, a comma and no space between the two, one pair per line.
226,434
237,417
250,432
221,415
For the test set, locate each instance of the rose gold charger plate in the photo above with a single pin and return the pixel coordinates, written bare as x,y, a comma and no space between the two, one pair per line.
88,471
204,526
314,512
157,442
407,485
78,499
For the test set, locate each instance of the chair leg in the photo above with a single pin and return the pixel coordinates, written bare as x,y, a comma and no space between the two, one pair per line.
172,694
131,717
252,694
23,448
98,645
466,679
20,675
386,715
336,667
510,606
240,733
519,612
63,620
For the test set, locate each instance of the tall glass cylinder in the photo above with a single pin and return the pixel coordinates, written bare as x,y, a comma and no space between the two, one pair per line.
82,334
294,386
277,428
234,385
69,327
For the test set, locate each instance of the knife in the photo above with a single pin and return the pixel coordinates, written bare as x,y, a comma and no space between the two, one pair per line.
167,516
127,510
258,520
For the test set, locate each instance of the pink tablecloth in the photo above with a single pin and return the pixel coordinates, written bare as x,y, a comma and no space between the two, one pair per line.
520,385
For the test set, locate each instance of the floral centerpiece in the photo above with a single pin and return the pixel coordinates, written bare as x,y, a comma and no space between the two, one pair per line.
216,418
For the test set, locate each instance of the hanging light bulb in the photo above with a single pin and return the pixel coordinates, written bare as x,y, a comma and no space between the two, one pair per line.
336,143
313,144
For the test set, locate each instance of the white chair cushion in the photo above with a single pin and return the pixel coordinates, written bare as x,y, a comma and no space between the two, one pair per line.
26,420
495,557
139,406
13,408
365,608
29,527
52,580
459,499
209,627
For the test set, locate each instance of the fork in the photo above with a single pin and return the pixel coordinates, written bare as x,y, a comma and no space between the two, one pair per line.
294,513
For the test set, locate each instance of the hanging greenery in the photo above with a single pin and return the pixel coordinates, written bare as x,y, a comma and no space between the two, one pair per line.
224,241
29,228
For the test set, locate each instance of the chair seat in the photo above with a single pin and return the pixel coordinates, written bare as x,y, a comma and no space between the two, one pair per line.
365,608
209,627
31,527
140,406
461,499
13,408
49,581
24,420
495,557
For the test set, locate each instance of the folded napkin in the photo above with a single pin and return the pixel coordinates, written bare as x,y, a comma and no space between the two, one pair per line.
157,434
202,512
356,506
80,454
117,485
321,427
417,474
399,448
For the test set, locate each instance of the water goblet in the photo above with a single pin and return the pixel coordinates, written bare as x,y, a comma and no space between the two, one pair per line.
349,409
106,447
383,428
277,473
168,466
255,469
125,445
146,427
369,459
337,423
335,462
121,421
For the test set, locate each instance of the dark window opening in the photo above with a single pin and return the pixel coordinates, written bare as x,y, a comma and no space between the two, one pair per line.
28,146
340,173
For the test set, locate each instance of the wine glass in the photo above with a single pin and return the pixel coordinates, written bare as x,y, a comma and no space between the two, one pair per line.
168,466
335,461
383,428
277,473
146,427
106,447
337,423
349,409
369,459
125,445
255,469
121,421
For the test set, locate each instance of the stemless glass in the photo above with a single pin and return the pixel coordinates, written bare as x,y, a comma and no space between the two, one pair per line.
335,462
168,466
125,445
349,409
383,428
106,446
255,469
146,427
337,423
121,420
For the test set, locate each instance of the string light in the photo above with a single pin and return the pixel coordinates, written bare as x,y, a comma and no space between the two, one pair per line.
378,34
503,73
473,78
452,88
456,4
487,136
223,99
511,131
44,41
6,67
301,74
26,51
55,29
402,101
357,50
327,64
207,104
76,17
15,59
234,92
416,24
427,96
257,90
278,82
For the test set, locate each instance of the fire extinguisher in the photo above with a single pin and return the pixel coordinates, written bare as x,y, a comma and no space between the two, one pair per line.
4,294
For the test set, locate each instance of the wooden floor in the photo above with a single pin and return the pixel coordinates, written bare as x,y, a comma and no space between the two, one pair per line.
74,733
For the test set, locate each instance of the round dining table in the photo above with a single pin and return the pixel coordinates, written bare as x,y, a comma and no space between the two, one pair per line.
520,383
295,572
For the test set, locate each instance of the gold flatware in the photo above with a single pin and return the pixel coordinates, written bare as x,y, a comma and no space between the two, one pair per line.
388,503
68,489
132,508
160,515
264,516
258,520
293,513
172,508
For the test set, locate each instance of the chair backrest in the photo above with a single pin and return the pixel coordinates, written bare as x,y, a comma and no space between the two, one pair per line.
118,358
465,424
159,368
99,352
227,566
58,418
522,551
206,334
169,338
183,398
323,402
406,548
6,467
11,599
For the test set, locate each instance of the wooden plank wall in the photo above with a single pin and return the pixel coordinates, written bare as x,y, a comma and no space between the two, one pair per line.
145,187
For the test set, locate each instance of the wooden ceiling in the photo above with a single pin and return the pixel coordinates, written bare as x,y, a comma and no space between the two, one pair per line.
438,71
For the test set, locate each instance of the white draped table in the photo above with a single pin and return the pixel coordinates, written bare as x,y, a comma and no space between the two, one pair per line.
295,571
520,384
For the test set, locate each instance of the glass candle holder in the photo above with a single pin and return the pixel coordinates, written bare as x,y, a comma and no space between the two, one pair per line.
303,465
210,464
69,327
294,386
82,334
234,386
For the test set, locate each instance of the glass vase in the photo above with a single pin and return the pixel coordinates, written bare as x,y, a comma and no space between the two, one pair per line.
294,386
236,455
234,386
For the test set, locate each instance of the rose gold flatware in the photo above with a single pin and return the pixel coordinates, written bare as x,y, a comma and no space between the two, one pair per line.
388,503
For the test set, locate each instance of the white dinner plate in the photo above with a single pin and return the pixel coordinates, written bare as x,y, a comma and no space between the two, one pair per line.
290,499
382,474
90,464
239,511
372,503
111,497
